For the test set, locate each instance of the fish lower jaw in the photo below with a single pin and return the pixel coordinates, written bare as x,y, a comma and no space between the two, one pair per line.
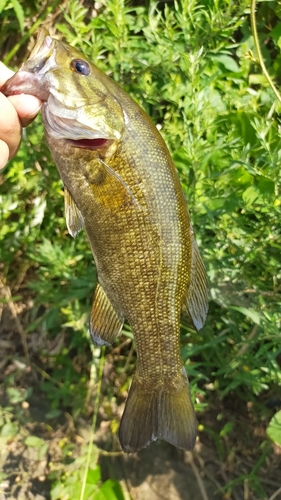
24,82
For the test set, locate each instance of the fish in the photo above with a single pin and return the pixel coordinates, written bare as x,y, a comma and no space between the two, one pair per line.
121,185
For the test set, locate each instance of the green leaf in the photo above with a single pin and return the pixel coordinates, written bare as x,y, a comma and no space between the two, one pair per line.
39,210
276,33
15,396
33,441
226,429
266,186
244,128
54,413
43,451
19,13
258,79
94,475
250,313
99,496
3,4
8,430
228,62
250,195
11,299
112,490
274,429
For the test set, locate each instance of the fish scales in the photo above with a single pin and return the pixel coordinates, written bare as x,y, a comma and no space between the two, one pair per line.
121,185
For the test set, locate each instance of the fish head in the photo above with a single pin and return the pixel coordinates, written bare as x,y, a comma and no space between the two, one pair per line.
77,104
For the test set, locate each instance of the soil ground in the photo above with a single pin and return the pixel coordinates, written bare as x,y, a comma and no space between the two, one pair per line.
157,472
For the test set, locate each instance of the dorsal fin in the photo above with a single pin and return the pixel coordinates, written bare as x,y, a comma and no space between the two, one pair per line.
196,301
105,321
73,216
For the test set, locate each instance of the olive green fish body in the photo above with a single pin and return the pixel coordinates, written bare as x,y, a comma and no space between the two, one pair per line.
124,190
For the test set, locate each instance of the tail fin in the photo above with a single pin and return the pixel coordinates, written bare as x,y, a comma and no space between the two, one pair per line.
158,414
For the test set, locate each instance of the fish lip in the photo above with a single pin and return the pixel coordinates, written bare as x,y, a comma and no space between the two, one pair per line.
39,59
30,77
24,82
43,44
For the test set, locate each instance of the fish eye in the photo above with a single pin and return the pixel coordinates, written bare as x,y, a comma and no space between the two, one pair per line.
80,66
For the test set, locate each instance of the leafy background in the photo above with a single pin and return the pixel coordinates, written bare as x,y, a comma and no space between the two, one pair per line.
190,65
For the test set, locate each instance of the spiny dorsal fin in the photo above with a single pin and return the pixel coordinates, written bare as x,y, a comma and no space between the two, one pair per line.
73,216
196,302
105,321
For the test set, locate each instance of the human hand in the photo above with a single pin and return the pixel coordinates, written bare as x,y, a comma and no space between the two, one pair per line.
16,111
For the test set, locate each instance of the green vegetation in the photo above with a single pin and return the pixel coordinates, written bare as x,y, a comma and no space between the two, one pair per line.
190,65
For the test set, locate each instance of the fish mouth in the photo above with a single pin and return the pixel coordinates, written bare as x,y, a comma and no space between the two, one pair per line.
43,45
28,80
91,144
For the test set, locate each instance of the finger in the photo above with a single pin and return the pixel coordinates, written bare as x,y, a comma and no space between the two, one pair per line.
27,107
4,154
10,126
5,74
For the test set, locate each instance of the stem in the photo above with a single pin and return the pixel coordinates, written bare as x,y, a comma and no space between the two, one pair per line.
258,49
94,421
9,301
23,40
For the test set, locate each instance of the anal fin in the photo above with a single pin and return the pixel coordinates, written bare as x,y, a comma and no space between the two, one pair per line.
105,321
196,301
73,216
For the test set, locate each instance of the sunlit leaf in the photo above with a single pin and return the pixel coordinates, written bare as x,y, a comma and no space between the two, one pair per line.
33,441
228,62
250,313
19,13
274,429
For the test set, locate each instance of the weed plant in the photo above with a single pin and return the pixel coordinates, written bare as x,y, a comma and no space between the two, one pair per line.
190,65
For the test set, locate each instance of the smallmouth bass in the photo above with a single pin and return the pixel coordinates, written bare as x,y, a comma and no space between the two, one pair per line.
122,186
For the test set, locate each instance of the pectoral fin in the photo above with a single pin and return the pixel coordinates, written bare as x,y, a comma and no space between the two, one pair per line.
117,186
73,216
105,321
196,302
